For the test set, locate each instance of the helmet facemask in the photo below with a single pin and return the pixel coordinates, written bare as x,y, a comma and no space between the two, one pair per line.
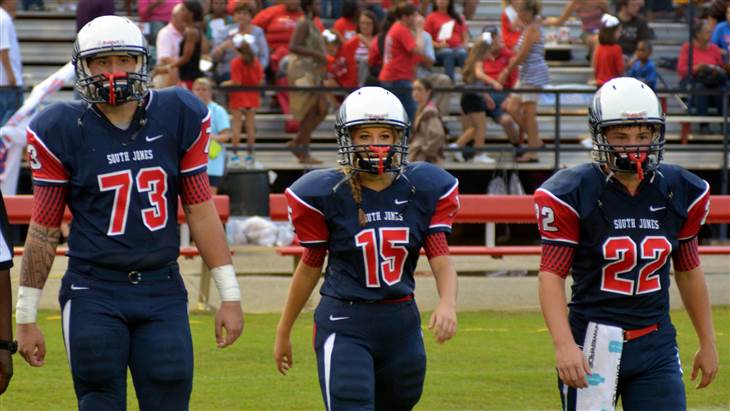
373,158
112,88
638,159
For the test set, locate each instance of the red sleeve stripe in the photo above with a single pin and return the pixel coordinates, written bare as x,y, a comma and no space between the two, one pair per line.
451,190
49,203
50,165
436,245
196,156
556,259
687,256
304,203
195,189
446,208
696,215
314,256
554,197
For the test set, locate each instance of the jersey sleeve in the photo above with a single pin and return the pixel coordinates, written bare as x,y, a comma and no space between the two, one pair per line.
447,206
307,218
195,134
557,220
45,164
699,207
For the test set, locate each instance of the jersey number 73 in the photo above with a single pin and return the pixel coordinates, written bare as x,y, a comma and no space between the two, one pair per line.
153,181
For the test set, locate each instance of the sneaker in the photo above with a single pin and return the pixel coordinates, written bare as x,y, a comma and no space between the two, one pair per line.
249,161
457,155
483,158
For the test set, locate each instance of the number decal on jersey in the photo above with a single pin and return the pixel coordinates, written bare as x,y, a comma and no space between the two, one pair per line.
384,254
622,251
546,215
152,180
33,155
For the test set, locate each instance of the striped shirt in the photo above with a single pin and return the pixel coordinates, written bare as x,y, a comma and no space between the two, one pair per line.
534,70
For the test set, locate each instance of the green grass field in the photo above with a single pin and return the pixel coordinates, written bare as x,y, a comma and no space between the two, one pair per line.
498,361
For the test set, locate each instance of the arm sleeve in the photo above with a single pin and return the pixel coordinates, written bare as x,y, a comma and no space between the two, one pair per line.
557,220
314,256
556,259
446,209
309,222
195,188
46,167
436,245
49,203
687,257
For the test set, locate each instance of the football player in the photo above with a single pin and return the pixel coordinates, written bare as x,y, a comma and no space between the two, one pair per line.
371,215
119,160
613,225
8,347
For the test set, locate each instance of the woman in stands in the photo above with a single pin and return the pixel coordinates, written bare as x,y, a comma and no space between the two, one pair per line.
589,12
371,216
367,31
192,45
429,136
450,35
530,54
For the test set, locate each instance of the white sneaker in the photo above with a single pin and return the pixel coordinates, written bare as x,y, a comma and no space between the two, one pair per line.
483,158
456,155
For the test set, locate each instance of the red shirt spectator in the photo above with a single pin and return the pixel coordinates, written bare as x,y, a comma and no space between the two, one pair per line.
511,31
399,57
342,67
436,19
608,63
493,67
160,12
375,58
710,54
245,75
346,28
278,23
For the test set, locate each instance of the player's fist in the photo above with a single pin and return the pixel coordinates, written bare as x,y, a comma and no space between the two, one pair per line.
282,352
572,365
443,322
230,319
31,344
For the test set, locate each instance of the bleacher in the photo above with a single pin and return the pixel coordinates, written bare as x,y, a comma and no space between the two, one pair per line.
47,38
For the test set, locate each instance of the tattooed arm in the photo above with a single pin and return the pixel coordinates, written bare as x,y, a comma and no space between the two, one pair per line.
44,232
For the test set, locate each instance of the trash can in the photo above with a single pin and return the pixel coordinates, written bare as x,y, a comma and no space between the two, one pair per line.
248,191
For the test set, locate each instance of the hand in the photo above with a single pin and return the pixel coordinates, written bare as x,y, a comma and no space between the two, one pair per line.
497,85
502,77
572,365
6,370
443,322
31,344
282,352
490,103
706,361
230,318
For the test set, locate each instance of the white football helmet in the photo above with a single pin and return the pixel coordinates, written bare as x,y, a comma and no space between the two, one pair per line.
111,35
372,106
626,101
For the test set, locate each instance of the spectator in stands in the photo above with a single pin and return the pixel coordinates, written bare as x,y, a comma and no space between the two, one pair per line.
450,34
716,12
245,71
402,51
307,66
511,25
154,15
633,27
589,12
220,132
223,53
608,60
425,66
87,10
375,54
473,103
367,30
708,70
341,65
346,26
278,23
168,48
469,7
193,44
11,67
428,136
721,34
217,23
641,66
256,5
530,53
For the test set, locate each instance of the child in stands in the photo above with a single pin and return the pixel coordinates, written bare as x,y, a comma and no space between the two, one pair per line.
608,60
641,66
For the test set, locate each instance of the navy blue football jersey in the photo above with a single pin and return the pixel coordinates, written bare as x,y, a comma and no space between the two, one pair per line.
375,261
623,242
123,184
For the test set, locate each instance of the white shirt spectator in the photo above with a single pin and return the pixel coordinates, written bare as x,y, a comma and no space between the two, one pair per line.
9,41
168,42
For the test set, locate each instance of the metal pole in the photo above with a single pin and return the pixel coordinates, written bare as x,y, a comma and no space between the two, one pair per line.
557,131
725,152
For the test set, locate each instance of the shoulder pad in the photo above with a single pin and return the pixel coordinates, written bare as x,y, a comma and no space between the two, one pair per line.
317,183
429,178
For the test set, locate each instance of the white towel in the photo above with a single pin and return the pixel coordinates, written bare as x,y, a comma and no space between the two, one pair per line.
602,348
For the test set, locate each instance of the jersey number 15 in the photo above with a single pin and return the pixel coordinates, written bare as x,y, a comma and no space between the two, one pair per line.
384,253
